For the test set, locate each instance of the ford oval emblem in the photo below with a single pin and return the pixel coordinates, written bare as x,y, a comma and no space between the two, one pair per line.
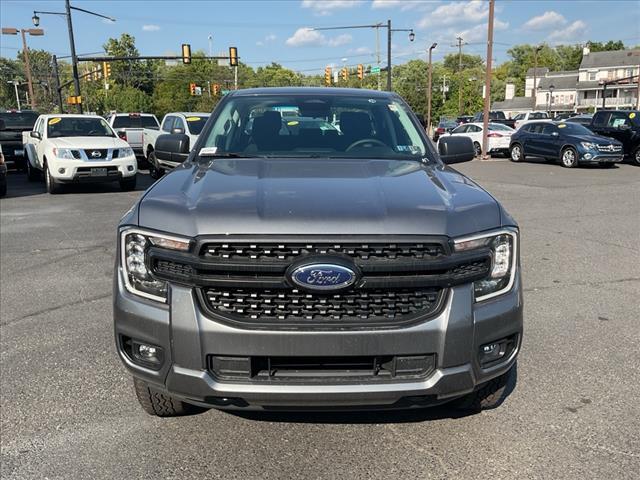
323,276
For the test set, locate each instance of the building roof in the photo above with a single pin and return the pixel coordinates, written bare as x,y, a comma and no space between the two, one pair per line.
562,73
569,82
540,71
516,103
615,58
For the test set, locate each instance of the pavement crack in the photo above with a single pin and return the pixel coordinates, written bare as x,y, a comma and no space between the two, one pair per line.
582,284
56,307
421,449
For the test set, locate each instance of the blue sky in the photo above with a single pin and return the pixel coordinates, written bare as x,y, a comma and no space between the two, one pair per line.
266,31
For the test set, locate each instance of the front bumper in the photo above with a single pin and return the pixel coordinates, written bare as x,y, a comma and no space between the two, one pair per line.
597,157
68,171
188,336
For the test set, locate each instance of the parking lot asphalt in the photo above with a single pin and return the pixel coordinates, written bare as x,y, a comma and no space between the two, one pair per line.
68,409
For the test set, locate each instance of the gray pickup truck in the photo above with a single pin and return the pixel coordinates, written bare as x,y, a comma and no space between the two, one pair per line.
286,267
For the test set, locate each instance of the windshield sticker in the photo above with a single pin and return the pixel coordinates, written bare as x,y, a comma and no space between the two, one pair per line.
632,115
371,100
204,151
53,121
193,119
408,148
292,123
562,125
393,107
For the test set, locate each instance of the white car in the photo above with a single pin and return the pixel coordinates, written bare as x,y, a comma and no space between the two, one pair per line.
526,117
499,136
129,127
78,148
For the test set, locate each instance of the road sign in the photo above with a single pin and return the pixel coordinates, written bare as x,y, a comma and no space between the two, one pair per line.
74,100
375,69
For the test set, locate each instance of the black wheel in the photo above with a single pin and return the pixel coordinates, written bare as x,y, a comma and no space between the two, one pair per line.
160,404
635,157
489,395
569,157
477,149
52,186
154,170
516,152
127,184
33,174
3,188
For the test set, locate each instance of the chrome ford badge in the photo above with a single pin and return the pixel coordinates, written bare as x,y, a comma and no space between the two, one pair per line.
323,276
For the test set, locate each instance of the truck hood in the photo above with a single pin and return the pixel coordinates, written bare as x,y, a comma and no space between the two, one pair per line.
597,139
87,142
317,197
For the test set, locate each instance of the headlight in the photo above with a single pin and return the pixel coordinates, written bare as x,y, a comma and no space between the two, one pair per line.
504,260
134,246
64,153
126,152
588,145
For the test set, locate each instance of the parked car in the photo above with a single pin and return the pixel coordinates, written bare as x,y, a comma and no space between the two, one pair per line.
3,175
564,116
464,119
583,119
526,117
570,143
445,126
495,117
129,127
624,126
187,123
12,124
78,148
499,136
349,270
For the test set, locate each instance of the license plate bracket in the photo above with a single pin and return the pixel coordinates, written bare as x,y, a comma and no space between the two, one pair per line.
98,172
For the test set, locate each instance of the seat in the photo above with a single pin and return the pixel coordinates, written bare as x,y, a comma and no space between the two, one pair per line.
355,126
266,130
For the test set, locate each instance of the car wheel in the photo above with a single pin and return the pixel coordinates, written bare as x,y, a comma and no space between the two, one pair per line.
516,153
3,188
160,404
127,184
154,170
491,394
477,149
33,175
53,187
569,157
635,158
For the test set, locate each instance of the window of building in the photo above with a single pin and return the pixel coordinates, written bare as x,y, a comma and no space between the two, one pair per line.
592,75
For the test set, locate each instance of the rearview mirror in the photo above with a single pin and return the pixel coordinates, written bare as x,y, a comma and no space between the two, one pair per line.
177,131
456,149
35,134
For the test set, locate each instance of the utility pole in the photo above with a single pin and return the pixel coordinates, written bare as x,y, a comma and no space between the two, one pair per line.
56,79
74,58
429,93
389,55
27,68
535,75
460,43
638,91
444,88
378,55
487,96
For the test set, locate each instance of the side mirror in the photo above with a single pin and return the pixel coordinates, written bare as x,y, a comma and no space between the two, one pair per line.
172,147
456,149
421,119
177,131
35,134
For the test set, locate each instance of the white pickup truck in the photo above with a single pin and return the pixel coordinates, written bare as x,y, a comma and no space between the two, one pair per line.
187,123
78,148
526,117
129,127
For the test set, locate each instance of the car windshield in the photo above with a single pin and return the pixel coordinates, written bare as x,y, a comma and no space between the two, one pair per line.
196,123
574,129
78,127
21,120
326,126
135,121
500,126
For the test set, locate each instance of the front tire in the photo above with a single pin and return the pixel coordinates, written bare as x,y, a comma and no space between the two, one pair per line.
477,149
128,184
491,394
635,157
516,153
52,186
569,157
33,175
154,170
160,404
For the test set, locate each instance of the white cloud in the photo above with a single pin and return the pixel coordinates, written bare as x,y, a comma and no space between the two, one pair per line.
360,51
456,13
266,40
574,33
327,7
150,28
479,32
403,5
547,21
306,37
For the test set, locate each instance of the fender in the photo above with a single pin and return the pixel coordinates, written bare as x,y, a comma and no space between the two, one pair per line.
32,156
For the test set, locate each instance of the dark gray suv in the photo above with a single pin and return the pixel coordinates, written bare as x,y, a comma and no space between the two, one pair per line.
317,268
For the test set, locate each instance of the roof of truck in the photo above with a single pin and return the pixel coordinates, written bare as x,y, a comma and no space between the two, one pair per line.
359,92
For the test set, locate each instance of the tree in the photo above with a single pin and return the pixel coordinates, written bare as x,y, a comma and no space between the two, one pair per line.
605,47
275,75
452,61
132,73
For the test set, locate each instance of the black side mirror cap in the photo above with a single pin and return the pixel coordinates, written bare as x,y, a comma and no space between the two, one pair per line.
171,144
456,149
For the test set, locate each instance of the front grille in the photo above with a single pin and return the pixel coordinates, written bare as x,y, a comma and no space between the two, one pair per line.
300,307
609,148
290,251
103,153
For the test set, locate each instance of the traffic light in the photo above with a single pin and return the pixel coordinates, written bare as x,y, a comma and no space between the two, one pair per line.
192,88
327,76
106,69
186,54
215,88
233,56
96,73
360,71
345,74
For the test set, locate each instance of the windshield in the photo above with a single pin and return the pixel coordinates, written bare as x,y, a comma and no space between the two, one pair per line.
78,127
135,121
500,126
330,126
574,129
24,120
196,123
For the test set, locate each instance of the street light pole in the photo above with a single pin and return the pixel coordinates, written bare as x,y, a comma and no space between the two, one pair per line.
25,52
15,87
551,89
535,74
56,79
434,45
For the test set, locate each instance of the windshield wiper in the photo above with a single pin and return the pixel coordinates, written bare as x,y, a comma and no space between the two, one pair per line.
227,155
